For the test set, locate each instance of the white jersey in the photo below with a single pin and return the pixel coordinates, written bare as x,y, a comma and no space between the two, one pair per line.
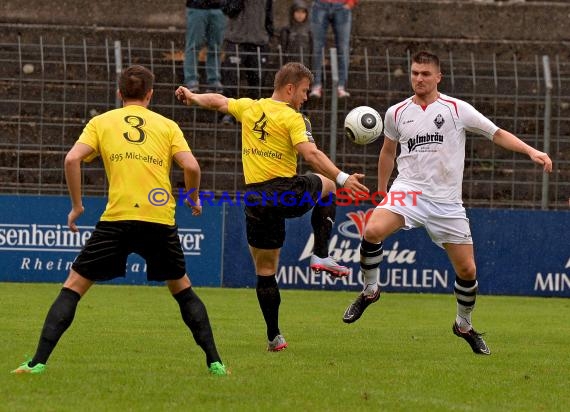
432,141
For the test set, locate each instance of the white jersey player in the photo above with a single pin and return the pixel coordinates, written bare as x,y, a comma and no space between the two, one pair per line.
432,142
430,128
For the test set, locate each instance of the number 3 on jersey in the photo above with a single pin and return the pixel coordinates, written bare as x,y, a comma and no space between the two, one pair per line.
260,126
136,123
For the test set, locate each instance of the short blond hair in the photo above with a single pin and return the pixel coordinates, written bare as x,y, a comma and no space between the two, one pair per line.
292,73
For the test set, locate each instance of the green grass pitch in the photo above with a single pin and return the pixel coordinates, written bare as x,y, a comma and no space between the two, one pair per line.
128,350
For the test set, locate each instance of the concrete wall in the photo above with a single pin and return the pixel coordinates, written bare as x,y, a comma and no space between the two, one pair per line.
464,20
104,13
443,19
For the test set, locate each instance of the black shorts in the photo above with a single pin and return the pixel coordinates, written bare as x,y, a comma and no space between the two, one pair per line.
104,256
268,204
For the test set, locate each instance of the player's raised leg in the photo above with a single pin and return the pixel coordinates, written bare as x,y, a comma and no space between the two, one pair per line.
465,289
381,224
322,221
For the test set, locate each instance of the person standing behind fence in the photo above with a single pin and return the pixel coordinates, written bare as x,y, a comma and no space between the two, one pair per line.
273,133
137,147
247,34
295,38
205,24
338,15
430,129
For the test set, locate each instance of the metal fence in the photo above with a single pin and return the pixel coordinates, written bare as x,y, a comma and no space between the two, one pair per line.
48,91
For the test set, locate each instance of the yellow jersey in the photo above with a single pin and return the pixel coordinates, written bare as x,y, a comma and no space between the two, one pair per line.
136,146
270,130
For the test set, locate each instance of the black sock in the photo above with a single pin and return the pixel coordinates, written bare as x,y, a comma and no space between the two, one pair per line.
57,321
269,300
195,317
322,221
466,294
370,254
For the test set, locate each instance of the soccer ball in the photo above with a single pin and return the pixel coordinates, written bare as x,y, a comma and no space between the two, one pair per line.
363,125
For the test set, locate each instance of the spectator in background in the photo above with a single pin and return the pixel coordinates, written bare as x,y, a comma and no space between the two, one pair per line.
337,14
246,34
295,39
205,25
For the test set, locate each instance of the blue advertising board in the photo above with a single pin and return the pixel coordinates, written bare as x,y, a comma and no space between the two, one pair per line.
517,253
37,246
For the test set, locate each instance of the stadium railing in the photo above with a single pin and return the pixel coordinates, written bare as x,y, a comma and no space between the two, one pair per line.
50,90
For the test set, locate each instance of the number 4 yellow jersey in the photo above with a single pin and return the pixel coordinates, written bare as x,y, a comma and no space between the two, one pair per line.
270,130
136,146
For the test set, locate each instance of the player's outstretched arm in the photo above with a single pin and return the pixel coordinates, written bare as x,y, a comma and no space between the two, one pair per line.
320,163
511,142
212,101
72,166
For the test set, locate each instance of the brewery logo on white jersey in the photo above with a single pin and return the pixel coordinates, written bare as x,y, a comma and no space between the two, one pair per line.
424,139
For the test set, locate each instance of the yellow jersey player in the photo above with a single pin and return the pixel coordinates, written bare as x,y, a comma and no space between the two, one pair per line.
273,133
137,147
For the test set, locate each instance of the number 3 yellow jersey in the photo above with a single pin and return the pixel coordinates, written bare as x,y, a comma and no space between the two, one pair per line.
270,130
136,146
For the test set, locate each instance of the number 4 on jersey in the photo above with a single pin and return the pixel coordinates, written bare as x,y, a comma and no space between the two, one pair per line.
260,126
